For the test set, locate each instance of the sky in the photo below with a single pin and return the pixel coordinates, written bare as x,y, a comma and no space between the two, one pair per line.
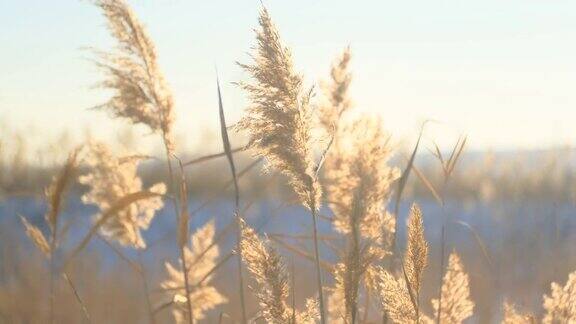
502,72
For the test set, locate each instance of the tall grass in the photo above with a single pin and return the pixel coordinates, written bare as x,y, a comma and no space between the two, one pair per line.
327,158
279,123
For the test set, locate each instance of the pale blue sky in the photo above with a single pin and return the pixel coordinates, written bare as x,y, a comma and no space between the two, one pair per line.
501,71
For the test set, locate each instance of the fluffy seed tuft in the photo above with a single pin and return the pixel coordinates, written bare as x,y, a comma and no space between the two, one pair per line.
36,236
201,258
111,178
560,306
141,94
456,303
513,316
416,256
279,119
336,93
269,271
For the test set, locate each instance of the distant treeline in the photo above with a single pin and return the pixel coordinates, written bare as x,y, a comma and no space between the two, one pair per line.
546,176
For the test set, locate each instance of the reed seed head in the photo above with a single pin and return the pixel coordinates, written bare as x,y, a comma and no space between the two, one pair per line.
111,178
141,94
456,303
279,119
55,191
357,168
311,313
269,271
560,306
416,257
336,93
201,258
395,298
36,236
513,316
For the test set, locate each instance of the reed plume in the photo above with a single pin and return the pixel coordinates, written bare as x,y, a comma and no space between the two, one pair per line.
513,316
200,258
279,123
141,94
348,278
416,256
279,120
336,93
560,306
37,237
358,182
395,298
55,193
456,303
111,178
337,301
310,314
269,271
266,265
55,196
357,167
400,295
